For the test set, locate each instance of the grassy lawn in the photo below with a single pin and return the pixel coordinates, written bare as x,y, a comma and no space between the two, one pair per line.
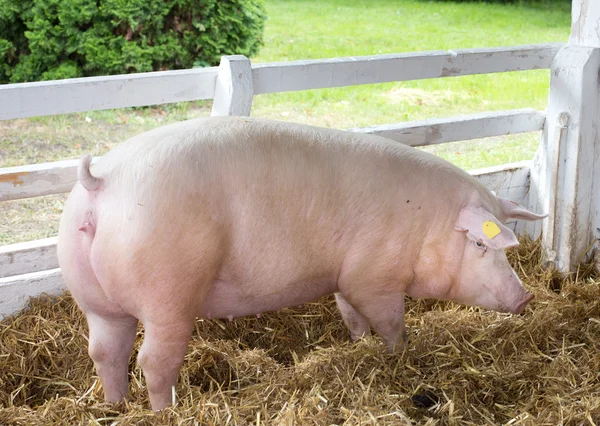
306,29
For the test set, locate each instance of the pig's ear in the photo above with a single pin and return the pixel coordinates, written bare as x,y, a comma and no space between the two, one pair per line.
513,210
481,225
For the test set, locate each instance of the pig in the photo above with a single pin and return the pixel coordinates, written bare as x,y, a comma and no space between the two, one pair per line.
224,217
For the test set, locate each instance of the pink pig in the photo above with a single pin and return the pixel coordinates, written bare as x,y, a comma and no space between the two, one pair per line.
225,217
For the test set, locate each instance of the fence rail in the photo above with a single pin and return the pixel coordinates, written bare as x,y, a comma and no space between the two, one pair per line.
162,87
30,268
338,72
96,93
59,177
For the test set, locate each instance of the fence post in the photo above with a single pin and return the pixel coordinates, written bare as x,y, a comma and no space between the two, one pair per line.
234,88
565,178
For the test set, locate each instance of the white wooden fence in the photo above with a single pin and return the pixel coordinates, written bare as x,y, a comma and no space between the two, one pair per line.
28,269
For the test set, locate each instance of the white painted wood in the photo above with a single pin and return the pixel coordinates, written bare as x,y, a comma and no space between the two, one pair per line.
551,222
30,256
506,180
16,291
234,92
37,179
59,177
574,90
510,181
106,92
234,87
585,23
451,129
338,72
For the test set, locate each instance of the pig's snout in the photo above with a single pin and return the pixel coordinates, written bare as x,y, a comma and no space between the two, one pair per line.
527,297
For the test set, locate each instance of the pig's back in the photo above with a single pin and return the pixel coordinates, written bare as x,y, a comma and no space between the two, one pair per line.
234,153
246,174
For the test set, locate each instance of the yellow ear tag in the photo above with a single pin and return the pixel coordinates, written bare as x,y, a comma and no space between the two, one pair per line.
490,229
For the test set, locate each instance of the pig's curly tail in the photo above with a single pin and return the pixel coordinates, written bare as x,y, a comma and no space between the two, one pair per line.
89,182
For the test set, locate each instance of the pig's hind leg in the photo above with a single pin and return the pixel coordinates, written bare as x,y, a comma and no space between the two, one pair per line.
110,346
356,323
111,330
161,357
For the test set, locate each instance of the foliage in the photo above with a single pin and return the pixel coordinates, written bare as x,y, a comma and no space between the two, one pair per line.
53,39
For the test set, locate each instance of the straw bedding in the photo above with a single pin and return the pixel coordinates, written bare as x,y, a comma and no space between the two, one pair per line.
462,366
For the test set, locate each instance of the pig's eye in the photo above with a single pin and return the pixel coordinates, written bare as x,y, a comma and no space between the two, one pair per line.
480,245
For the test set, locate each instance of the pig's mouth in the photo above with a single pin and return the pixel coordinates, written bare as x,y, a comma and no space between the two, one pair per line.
521,305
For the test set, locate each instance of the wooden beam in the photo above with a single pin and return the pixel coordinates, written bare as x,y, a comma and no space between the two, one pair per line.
510,181
59,177
338,72
37,179
27,257
585,23
566,173
233,91
16,291
475,126
96,93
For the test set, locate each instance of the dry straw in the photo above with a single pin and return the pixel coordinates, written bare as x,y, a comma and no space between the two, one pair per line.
296,367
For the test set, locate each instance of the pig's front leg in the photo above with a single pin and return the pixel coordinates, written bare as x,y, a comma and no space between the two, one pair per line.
356,323
110,345
386,315
384,309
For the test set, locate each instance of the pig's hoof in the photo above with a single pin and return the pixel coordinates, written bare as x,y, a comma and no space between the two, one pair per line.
425,399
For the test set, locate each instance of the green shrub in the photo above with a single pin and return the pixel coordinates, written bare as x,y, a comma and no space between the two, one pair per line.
54,39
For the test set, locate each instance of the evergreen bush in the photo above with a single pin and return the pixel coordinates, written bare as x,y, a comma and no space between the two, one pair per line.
54,39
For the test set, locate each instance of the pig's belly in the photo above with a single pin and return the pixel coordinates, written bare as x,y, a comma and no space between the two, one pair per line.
229,300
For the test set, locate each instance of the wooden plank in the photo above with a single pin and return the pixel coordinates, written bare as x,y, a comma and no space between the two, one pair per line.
37,179
31,256
55,178
338,72
571,181
106,92
233,90
475,126
16,291
510,181
585,23
506,179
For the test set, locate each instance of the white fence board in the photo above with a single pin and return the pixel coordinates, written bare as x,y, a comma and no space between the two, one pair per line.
475,126
509,181
56,178
37,179
16,291
118,91
31,256
106,92
233,89
338,72
585,23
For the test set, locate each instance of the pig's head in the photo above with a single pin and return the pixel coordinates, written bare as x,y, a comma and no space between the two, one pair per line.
485,277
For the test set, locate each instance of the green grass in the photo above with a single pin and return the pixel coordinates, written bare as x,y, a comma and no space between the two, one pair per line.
298,29
310,30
